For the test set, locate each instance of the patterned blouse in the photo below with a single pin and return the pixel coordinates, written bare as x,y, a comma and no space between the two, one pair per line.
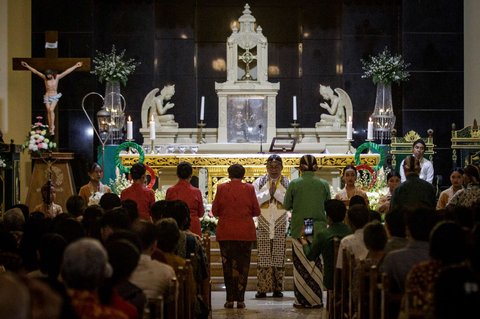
466,197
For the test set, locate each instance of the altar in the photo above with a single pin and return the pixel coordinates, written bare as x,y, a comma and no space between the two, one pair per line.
211,169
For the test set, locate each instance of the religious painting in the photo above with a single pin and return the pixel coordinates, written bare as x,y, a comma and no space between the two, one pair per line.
247,119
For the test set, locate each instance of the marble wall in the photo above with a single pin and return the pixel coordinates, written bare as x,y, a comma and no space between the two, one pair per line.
310,42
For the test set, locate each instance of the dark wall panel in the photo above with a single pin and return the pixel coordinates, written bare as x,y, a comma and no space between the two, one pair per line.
310,43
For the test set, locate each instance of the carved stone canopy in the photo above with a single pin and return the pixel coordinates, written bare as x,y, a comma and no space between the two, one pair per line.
247,51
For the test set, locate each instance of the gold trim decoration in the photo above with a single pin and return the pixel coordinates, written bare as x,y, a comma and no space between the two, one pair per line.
255,160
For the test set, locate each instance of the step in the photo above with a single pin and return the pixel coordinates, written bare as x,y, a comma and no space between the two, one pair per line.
215,256
216,269
219,285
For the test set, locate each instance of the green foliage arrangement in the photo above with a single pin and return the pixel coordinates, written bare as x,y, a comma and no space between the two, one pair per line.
113,67
385,68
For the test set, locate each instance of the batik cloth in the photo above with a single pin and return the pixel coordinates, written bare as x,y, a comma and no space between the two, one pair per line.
307,278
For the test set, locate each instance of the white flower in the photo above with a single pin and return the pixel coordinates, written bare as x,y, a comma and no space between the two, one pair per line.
385,68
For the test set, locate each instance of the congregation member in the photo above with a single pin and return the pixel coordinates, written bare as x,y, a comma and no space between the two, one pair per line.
189,245
322,243
349,178
123,256
456,179
192,196
397,263
470,195
414,191
426,167
393,180
138,192
448,246
94,189
357,217
75,206
396,230
306,198
235,205
271,229
85,267
152,276
48,207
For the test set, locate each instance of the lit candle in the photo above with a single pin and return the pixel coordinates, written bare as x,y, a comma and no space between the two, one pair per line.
202,109
349,128
294,108
129,129
152,129
370,129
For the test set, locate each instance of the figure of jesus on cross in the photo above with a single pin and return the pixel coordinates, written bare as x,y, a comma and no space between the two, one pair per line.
51,96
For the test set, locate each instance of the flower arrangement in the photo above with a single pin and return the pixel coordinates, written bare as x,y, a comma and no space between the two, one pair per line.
385,68
113,67
39,139
3,163
209,224
120,183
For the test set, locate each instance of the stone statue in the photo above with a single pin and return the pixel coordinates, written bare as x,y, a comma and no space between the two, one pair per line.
339,109
157,105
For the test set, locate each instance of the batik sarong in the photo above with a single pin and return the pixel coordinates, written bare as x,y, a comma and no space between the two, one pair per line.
236,264
307,278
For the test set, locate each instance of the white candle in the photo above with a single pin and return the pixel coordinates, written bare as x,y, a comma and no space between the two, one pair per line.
370,129
129,129
202,109
349,128
152,129
294,108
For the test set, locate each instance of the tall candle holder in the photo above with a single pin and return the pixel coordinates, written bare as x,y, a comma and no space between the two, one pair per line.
349,150
369,140
200,135
296,130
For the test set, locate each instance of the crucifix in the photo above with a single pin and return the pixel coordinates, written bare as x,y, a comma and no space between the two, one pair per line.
44,68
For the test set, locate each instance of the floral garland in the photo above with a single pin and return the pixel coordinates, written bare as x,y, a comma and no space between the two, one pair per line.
385,68
125,146
113,67
373,147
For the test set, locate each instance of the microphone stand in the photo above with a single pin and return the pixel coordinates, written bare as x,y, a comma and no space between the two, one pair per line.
260,127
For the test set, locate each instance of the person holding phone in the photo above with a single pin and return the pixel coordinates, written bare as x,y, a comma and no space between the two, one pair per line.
271,230
306,198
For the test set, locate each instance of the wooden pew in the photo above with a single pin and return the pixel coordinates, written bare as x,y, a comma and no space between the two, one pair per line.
333,296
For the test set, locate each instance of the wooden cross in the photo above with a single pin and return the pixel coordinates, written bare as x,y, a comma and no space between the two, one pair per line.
51,60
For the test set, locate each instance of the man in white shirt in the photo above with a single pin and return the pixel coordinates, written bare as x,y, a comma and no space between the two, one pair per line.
153,277
426,171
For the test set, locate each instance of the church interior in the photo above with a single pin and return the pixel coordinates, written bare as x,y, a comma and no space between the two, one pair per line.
218,82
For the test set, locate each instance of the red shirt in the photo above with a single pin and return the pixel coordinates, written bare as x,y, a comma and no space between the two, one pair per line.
142,195
235,205
88,306
192,196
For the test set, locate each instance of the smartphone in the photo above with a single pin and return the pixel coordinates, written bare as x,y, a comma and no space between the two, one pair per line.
308,222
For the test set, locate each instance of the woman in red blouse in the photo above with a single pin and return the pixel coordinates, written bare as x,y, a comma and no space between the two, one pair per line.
192,196
235,205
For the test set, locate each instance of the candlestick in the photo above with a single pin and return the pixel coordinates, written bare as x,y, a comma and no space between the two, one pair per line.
152,129
349,128
200,135
202,109
370,129
294,108
129,129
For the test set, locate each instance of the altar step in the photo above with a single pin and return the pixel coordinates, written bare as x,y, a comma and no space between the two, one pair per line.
216,270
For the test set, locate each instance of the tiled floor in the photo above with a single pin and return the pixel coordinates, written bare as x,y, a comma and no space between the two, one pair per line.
267,308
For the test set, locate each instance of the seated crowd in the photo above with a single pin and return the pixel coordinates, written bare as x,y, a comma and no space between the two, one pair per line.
100,261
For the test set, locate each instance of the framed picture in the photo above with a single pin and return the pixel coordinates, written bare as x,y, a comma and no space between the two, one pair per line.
282,144
246,119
